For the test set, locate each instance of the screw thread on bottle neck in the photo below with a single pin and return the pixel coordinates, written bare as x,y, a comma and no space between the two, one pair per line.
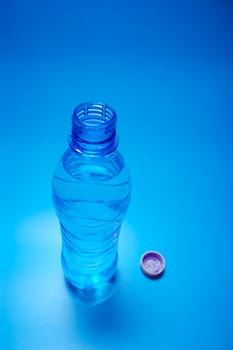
94,128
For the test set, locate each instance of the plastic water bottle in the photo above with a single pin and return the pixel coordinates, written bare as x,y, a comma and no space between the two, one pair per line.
91,191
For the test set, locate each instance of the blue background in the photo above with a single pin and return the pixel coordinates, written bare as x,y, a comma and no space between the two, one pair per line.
167,68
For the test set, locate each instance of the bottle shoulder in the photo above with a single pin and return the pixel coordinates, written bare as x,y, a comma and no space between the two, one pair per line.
92,168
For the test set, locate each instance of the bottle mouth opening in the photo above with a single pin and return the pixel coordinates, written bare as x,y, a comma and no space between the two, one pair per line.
94,115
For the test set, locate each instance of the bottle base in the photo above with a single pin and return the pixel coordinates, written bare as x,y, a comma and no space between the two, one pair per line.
91,288
93,294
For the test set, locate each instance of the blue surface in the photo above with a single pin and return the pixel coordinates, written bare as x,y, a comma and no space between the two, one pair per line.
166,67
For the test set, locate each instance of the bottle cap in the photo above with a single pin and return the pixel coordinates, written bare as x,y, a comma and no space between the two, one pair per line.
152,264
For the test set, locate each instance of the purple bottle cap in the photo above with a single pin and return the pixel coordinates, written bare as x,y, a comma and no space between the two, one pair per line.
152,264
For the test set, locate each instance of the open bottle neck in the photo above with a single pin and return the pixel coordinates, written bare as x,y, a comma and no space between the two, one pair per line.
94,129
